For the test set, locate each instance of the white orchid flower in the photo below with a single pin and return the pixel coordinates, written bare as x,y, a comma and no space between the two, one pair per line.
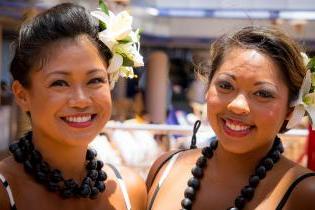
304,103
127,71
123,43
306,59
118,26
130,51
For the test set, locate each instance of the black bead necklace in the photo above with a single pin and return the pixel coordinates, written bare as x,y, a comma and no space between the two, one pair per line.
25,153
247,192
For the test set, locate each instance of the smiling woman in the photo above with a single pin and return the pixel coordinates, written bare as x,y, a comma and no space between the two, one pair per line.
254,75
61,80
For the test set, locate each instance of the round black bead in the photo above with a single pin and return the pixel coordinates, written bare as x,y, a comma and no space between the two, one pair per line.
36,157
92,165
44,166
268,163
100,186
94,192
91,154
233,208
207,152
240,202
197,172
52,186
254,181
19,155
56,175
87,180
261,172
70,183
275,156
100,164
93,174
214,144
248,192
201,162
190,193
194,183
41,177
67,193
13,147
186,203
102,176
28,166
85,190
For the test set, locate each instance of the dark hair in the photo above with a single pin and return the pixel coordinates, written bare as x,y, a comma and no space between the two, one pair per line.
62,22
283,50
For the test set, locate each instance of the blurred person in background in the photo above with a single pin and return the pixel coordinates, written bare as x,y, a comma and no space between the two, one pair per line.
255,75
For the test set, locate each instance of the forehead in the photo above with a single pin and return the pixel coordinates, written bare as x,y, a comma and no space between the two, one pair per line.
250,64
67,53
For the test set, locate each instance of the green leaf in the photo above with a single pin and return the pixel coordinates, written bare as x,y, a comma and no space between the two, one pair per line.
125,40
102,25
103,6
311,64
126,60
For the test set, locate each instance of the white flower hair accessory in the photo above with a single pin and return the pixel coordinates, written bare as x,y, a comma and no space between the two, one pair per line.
117,34
305,102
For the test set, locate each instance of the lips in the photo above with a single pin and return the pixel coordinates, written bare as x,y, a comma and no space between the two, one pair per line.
79,120
236,128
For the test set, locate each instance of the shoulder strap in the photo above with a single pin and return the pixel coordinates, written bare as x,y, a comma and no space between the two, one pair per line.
6,185
122,186
291,188
158,164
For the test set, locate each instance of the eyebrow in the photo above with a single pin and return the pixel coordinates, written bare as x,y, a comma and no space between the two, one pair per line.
66,73
256,83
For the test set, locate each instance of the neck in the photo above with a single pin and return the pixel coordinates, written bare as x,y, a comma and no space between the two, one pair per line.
241,164
70,160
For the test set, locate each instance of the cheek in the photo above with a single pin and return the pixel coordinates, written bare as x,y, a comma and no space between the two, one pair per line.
274,115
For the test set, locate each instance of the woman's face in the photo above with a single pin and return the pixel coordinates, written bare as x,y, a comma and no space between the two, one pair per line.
247,101
69,98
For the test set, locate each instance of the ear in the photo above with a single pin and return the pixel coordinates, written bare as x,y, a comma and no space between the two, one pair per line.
21,95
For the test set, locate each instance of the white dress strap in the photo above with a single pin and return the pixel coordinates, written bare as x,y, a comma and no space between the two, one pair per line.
122,186
163,178
9,191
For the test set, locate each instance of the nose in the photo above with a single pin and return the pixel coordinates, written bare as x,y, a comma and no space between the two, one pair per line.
79,98
239,105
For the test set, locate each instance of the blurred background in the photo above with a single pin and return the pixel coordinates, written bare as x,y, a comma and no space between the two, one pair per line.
155,112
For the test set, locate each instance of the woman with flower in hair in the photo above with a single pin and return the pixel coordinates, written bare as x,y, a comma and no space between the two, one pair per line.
63,69
258,86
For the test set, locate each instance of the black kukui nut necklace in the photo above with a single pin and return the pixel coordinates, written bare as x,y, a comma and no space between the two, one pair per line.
247,192
25,153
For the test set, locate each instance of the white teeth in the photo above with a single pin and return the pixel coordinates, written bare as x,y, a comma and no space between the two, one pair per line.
236,127
79,119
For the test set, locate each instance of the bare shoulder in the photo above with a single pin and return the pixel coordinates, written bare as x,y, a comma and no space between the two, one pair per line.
136,188
159,164
303,189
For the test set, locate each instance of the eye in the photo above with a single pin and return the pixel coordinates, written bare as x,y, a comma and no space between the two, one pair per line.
59,83
225,85
97,80
264,94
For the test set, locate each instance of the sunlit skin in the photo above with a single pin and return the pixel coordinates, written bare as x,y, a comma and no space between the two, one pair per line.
69,103
247,103
247,93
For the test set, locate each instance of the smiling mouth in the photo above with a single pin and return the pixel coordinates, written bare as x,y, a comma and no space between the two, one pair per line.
236,128
79,120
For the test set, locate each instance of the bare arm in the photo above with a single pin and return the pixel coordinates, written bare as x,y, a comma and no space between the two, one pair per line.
136,189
